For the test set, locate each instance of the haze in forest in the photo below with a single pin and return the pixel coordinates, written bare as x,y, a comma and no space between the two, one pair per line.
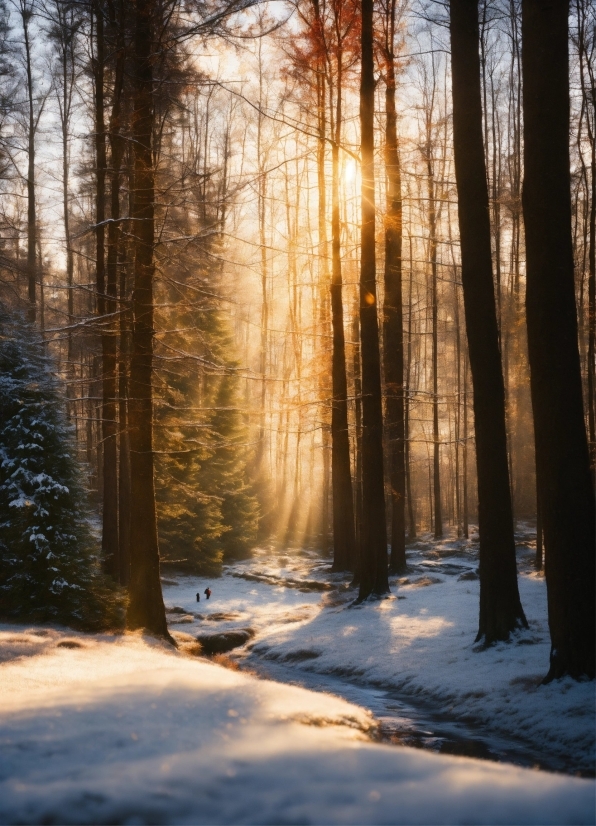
303,295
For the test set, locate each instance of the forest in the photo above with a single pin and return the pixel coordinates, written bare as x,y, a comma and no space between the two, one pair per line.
298,321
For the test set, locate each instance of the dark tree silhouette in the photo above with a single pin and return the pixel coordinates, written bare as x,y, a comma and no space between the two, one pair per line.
111,545
393,336
26,10
146,607
330,48
105,304
117,271
565,491
344,538
374,567
500,606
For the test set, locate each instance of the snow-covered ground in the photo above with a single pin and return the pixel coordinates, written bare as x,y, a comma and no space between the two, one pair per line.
417,646
122,729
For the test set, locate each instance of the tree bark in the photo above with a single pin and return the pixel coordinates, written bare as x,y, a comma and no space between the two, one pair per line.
123,435
109,542
500,607
323,271
261,205
146,608
26,13
588,86
112,408
100,159
465,519
393,335
565,490
457,403
67,66
374,568
344,541
432,231
124,481
539,539
592,306
407,396
358,445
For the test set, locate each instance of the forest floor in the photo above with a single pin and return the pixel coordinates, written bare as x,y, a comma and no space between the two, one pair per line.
124,729
410,658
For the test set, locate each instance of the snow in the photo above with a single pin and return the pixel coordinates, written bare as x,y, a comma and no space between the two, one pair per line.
123,729
419,643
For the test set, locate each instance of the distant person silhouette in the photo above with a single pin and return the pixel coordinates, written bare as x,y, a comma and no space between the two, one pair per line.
198,597
207,592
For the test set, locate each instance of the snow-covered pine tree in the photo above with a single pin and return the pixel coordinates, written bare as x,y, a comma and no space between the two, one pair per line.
49,568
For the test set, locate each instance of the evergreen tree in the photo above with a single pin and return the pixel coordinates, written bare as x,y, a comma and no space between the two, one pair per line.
49,570
207,511
189,517
226,473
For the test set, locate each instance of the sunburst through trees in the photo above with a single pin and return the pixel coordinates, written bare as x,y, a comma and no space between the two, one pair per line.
277,254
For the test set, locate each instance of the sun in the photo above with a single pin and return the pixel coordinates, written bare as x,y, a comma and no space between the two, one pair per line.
349,170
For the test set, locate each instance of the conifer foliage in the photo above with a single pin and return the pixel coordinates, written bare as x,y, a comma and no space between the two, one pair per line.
207,511
49,570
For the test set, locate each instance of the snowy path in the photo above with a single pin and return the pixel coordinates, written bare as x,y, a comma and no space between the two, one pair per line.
417,724
100,729
409,659
124,729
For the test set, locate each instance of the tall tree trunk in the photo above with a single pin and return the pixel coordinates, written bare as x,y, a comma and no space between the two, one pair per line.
42,303
294,308
374,569
465,515
500,607
100,159
565,490
588,85
592,309
261,205
124,481
358,445
510,339
323,272
26,12
457,403
592,304
344,542
407,394
539,539
393,336
109,540
123,436
68,78
146,609
432,228
118,566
